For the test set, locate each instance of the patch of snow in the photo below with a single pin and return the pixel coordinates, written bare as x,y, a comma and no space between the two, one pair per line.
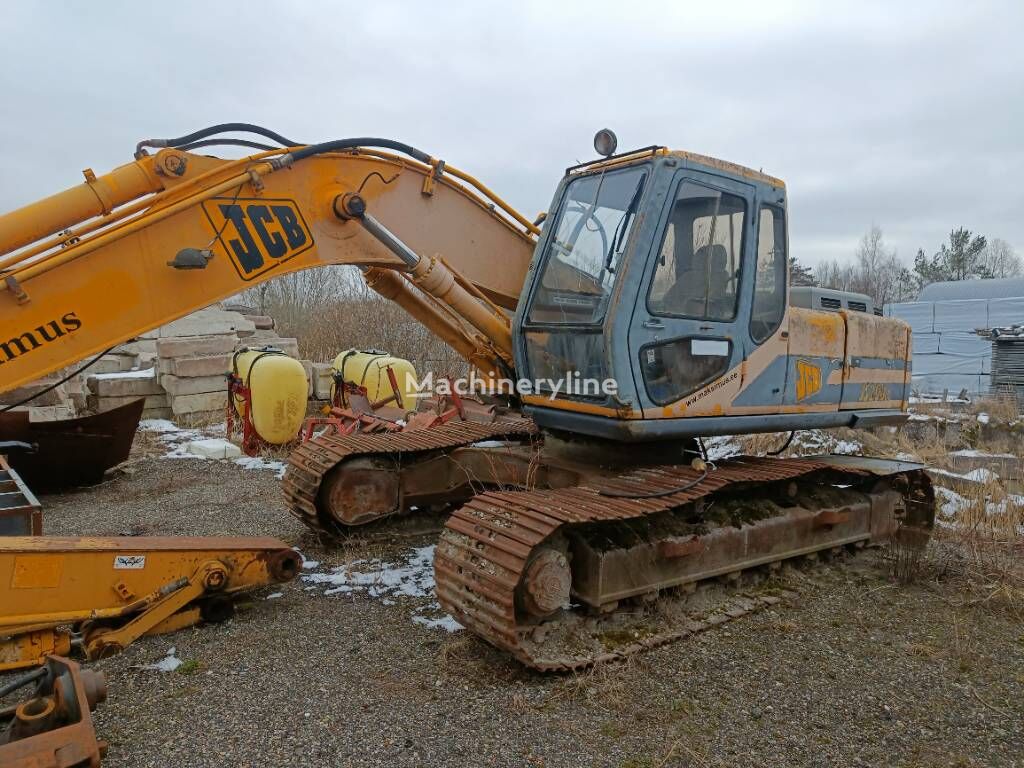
447,623
983,418
258,462
815,441
213,448
972,453
148,373
981,475
490,444
847,447
950,502
168,663
721,447
974,476
412,577
158,425
274,595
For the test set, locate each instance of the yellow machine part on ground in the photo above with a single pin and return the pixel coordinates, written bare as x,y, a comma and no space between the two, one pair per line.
278,387
369,369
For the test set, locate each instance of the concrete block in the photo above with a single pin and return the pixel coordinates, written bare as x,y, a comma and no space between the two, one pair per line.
322,381
106,364
147,360
124,362
132,384
47,412
102,404
177,386
190,404
137,347
193,367
205,322
199,418
262,322
56,396
307,367
196,346
289,346
265,333
214,448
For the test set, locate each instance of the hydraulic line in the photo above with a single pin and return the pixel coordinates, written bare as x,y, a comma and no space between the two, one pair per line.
213,130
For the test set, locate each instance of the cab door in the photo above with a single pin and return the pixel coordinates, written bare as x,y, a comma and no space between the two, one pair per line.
683,337
769,371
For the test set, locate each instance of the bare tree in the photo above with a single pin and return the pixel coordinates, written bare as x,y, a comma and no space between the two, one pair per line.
875,270
331,309
1001,260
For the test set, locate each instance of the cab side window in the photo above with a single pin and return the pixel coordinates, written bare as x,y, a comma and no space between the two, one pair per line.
698,268
770,276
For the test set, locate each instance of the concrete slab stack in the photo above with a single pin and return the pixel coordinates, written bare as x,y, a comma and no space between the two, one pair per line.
180,369
111,390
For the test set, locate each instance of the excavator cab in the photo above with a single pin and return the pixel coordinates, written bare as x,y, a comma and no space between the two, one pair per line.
656,308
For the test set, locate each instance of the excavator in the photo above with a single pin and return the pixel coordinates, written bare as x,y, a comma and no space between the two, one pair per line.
647,310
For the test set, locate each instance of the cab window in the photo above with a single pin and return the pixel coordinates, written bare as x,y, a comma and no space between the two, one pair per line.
585,253
770,276
698,269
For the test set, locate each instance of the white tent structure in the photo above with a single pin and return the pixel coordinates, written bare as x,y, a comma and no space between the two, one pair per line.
948,354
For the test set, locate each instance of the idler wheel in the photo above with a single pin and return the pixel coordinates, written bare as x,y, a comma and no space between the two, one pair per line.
546,584
359,491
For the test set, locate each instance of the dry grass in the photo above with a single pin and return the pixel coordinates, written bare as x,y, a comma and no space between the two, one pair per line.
331,309
607,685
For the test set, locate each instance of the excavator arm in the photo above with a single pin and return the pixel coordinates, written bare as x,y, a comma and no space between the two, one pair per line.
174,231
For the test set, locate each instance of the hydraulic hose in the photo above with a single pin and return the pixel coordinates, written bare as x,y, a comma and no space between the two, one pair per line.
196,139
213,130
332,146
226,142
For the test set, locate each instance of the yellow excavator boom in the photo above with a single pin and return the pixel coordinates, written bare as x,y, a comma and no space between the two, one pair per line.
170,233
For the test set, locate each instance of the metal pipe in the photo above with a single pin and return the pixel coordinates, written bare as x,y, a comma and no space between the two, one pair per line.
137,224
408,256
97,196
124,212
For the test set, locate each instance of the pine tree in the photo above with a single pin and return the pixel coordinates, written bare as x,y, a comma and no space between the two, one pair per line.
799,274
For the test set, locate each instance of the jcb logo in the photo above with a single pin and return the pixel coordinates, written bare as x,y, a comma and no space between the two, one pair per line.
258,233
808,379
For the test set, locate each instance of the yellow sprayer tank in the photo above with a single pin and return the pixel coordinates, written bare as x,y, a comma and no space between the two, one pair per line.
278,387
370,369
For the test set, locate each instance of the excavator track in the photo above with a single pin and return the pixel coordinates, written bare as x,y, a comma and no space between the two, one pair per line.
311,462
502,563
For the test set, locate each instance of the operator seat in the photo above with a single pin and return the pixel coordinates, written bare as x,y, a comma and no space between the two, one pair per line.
701,289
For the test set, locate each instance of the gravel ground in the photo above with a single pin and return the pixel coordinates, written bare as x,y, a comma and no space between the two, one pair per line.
856,672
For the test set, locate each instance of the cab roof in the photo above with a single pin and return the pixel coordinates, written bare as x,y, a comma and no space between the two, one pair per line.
723,166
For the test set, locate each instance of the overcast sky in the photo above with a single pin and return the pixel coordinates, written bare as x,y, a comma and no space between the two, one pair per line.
906,115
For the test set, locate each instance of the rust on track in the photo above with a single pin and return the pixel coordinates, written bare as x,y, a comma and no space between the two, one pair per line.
310,463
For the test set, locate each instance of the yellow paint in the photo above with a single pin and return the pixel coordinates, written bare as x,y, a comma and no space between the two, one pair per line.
37,572
106,282
808,379
874,392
